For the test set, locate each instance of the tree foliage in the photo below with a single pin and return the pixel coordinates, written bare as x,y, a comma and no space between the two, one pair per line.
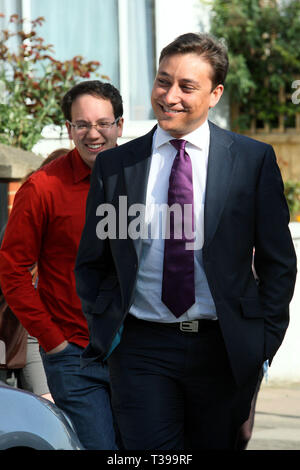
32,83
263,39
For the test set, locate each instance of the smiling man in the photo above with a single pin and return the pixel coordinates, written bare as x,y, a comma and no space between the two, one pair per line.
90,139
186,331
183,93
45,226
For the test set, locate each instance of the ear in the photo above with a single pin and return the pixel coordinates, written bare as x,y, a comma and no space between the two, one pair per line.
69,129
120,127
216,95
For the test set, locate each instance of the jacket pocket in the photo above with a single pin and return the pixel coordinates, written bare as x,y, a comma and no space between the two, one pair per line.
251,307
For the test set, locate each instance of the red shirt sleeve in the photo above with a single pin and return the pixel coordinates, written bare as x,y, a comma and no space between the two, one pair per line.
20,250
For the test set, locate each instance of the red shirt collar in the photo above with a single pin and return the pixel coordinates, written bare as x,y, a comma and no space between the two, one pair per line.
79,167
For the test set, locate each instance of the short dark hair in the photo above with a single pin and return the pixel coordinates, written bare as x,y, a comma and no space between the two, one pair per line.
95,88
212,50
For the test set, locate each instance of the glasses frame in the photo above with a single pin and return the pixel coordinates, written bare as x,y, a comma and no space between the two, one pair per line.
90,126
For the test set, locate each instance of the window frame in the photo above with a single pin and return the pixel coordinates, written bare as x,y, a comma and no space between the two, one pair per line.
132,128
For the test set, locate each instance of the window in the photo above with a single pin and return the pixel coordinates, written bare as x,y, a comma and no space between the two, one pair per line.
89,29
137,26
117,33
10,7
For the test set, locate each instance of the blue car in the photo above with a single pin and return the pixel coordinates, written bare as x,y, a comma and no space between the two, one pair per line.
28,421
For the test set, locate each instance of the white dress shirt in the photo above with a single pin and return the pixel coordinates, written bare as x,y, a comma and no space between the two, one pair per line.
147,303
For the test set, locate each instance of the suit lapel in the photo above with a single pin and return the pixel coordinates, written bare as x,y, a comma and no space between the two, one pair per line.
136,166
221,160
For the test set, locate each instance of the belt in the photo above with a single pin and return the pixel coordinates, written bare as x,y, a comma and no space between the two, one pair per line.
192,326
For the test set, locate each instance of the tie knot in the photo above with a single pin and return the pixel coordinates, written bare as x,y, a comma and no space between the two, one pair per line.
179,144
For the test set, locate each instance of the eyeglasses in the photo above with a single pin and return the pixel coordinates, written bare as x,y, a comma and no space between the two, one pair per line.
84,127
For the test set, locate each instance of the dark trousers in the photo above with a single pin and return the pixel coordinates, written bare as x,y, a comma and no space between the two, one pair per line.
174,390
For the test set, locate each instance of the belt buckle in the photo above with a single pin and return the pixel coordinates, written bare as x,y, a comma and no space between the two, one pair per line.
189,326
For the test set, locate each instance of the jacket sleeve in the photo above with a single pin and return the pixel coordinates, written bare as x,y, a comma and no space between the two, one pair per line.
275,259
19,252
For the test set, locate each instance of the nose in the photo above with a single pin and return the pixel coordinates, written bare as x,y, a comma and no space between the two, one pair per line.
93,132
172,95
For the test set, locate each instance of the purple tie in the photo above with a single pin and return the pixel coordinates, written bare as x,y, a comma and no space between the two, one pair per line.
178,285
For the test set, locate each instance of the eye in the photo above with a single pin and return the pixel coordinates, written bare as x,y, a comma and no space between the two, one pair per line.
103,124
163,82
81,125
187,88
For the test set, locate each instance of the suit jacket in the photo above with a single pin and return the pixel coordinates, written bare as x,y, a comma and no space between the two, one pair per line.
245,208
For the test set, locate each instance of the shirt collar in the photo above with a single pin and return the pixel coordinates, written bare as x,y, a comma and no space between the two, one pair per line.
199,137
79,167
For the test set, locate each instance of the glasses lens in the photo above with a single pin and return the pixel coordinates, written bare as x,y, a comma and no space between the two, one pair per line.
83,127
103,125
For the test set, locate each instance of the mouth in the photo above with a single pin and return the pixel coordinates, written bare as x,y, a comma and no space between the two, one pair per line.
95,147
170,111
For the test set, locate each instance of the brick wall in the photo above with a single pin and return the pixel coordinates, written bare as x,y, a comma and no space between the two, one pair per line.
13,187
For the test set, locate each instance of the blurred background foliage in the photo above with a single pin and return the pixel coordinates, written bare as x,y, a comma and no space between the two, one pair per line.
263,40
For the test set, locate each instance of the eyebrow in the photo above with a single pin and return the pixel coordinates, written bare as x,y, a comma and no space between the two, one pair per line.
183,80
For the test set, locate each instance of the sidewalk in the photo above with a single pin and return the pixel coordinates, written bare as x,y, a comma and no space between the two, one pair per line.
277,417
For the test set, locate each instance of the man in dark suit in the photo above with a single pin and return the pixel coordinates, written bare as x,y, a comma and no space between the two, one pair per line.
170,298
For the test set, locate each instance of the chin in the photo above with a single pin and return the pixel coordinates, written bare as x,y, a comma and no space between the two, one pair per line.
168,127
166,124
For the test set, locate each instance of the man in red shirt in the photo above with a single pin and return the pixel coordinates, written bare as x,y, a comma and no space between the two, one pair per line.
45,226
